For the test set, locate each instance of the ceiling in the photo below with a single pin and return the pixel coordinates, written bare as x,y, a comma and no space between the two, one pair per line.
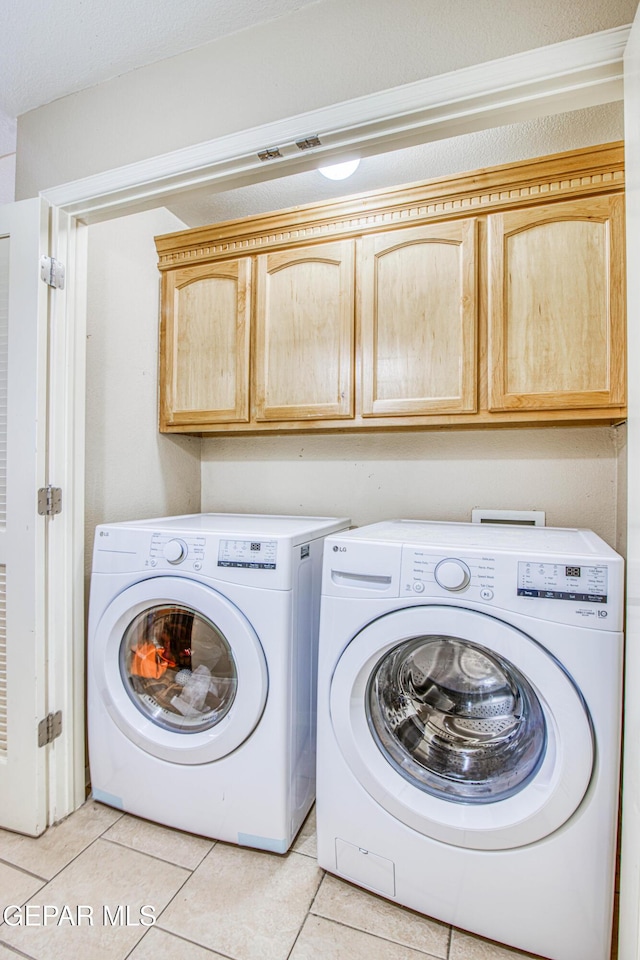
49,50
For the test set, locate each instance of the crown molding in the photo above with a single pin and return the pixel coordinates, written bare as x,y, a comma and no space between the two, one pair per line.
571,175
583,72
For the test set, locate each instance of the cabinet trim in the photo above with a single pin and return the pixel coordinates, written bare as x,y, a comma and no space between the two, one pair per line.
575,173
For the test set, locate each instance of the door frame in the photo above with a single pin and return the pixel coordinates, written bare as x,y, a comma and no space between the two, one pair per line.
629,927
574,74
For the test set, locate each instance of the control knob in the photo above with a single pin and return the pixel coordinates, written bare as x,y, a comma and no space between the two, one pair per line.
174,551
452,575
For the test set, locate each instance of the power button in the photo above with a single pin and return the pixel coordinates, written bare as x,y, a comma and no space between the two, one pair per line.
418,586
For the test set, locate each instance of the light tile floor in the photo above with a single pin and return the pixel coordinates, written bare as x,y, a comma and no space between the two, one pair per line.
210,900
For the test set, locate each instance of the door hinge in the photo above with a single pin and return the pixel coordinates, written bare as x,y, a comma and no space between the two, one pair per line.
49,501
49,728
52,272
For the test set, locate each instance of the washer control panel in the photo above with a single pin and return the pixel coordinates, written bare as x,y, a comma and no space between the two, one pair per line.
508,582
426,574
562,581
250,554
166,548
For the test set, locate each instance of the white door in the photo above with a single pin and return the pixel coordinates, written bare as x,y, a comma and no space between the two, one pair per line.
23,437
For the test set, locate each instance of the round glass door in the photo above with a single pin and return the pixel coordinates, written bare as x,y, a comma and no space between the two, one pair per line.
456,719
178,668
462,727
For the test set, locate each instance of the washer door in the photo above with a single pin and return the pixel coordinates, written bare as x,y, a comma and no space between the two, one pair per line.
180,670
462,727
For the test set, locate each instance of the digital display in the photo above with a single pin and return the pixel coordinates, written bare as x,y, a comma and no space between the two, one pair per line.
250,554
572,571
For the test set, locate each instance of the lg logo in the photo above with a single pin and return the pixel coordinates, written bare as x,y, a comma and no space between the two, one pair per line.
338,549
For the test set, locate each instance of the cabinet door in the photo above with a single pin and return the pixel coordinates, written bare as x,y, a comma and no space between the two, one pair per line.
419,319
204,347
556,306
305,333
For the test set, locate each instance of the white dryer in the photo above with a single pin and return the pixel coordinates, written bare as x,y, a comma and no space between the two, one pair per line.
469,715
202,658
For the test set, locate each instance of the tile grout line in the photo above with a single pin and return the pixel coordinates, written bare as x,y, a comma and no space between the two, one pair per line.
75,857
154,856
28,873
178,936
18,953
308,912
397,943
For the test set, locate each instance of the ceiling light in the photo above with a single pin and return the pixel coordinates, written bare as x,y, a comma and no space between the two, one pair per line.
340,171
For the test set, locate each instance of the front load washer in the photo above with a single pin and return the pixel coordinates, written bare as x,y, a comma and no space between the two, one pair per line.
469,714
202,672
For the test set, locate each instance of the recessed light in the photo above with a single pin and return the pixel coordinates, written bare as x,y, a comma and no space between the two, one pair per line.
340,171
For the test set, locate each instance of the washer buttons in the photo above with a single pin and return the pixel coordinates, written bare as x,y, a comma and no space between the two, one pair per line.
486,593
197,565
418,586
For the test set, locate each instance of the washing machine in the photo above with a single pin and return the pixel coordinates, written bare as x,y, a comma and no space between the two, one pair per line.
202,660
469,715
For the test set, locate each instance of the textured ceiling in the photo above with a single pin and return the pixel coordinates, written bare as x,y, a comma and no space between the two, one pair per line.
49,50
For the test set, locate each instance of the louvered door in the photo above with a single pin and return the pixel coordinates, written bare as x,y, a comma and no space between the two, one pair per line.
23,373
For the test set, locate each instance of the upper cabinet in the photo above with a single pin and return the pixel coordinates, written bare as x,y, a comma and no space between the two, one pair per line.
419,320
556,306
493,297
204,344
304,333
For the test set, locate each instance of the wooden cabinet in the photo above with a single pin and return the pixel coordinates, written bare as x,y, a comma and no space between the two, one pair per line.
556,306
495,297
419,320
204,345
304,333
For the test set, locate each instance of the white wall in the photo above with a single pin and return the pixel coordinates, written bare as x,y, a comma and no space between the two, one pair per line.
7,178
132,471
324,53
8,128
571,473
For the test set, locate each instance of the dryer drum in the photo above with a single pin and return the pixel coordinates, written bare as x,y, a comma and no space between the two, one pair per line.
456,719
178,668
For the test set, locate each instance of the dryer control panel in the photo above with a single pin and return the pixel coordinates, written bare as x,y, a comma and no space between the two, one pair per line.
250,554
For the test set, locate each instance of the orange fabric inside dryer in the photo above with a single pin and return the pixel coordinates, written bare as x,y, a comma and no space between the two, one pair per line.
148,662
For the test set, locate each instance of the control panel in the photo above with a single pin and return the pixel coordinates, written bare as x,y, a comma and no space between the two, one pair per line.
429,575
561,581
166,548
250,554
500,578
